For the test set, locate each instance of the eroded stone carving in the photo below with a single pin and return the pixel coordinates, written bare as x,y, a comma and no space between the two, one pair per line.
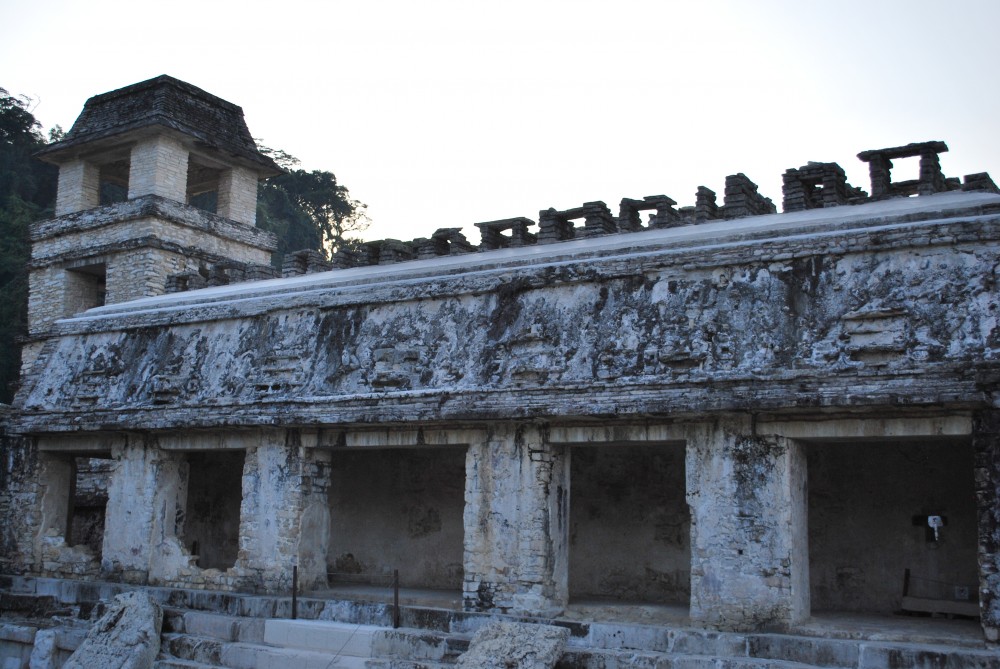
127,636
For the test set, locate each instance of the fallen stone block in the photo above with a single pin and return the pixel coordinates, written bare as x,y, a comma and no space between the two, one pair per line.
504,645
126,637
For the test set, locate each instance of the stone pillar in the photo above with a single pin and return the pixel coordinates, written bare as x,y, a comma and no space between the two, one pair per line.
159,166
169,561
986,444
516,523
879,170
749,543
55,473
238,195
20,501
79,187
284,516
142,501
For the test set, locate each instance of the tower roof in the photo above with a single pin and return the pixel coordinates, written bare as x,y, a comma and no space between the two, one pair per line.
167,102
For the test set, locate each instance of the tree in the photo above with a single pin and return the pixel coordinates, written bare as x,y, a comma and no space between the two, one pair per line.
27,194
307,210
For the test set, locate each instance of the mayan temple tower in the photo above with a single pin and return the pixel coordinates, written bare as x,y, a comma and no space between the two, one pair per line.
156,180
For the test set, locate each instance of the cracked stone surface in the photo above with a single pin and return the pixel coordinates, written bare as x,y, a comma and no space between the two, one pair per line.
504,645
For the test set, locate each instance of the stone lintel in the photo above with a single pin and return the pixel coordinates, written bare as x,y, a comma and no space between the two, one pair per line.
397,438
956,425
492,237
905,151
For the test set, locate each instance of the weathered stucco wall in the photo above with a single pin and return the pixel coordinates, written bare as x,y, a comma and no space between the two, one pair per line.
749,544
843,318
986,445
516,521
863,498
629,524
397,509
20,490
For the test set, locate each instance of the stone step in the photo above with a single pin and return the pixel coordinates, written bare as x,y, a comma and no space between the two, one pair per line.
340,638
176,663
418,645
217,626
192,648
661,639
919,656
252,656
392,663
627,659
814,651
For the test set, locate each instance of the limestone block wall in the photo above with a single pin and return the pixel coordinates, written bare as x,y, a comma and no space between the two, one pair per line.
159,166
137,244
238,195
143,273
79,187
21,486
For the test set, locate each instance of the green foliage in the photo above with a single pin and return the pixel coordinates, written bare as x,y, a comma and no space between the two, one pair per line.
307,210
27,194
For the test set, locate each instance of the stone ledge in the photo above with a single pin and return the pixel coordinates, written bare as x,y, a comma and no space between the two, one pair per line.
153,206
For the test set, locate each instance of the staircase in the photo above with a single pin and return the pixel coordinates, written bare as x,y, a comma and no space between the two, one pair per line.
210,629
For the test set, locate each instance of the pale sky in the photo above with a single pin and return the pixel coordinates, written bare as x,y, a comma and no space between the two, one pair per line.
442,113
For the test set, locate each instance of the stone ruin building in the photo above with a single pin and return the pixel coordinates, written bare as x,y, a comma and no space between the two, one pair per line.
747,415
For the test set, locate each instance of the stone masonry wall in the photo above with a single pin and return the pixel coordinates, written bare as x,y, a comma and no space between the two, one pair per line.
986,443
238,195
141,243
20,488
78,189
158,166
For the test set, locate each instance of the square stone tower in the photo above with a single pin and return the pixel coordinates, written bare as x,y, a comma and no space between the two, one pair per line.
155,179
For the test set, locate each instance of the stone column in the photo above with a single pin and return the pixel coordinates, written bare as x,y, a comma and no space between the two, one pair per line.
238,195
749,543
285,514
516,523
159,166
879,170
78,189
21,489
142,501
55,476
986,444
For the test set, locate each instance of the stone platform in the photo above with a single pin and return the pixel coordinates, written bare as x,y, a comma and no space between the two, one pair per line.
210,629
